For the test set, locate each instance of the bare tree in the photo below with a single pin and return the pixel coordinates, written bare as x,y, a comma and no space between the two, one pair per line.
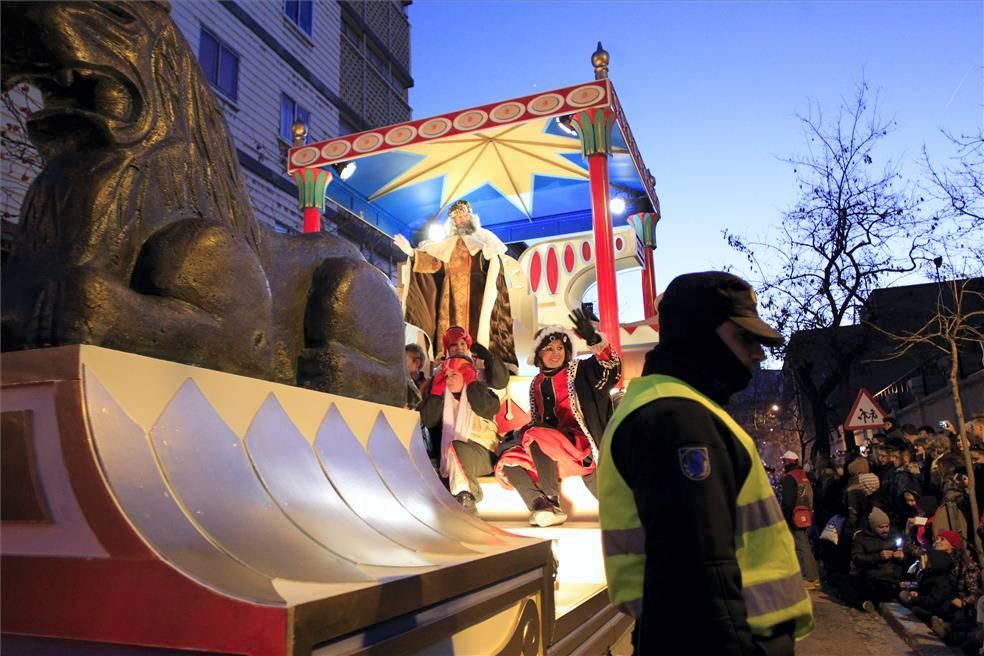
20,161
957,324
854,225
959,187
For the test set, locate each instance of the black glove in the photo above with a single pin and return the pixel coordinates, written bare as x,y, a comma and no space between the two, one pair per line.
481,351
581,318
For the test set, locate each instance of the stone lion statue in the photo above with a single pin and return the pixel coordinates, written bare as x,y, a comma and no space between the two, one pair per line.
138,234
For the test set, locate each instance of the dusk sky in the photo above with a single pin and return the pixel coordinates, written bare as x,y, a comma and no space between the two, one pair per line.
712,89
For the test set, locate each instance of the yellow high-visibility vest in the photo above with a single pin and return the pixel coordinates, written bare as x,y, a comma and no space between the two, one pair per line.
772,586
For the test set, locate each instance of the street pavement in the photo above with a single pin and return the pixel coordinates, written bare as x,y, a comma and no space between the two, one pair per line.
845,631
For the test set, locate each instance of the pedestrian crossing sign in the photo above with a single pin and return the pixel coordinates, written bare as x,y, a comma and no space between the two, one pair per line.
865,414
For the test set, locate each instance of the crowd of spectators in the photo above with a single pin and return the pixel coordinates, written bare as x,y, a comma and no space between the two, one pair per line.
893,522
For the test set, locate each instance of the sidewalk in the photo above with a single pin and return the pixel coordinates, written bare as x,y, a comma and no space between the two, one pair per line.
914,631
842,630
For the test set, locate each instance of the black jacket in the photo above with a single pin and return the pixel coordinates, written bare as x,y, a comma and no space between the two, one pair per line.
692,582
593,383
866,556
937,586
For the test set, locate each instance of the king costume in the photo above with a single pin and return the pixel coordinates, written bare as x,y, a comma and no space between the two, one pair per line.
461,281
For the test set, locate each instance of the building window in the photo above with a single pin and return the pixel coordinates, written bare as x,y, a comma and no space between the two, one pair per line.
378,61
352,34
300,12
220,63
290,113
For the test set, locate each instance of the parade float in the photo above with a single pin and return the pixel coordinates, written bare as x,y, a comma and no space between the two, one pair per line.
201,450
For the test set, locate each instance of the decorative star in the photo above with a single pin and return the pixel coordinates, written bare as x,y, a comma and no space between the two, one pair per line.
505,157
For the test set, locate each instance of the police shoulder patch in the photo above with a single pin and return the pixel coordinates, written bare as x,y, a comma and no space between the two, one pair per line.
694,462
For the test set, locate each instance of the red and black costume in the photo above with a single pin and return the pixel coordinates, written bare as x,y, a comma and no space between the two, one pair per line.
570,407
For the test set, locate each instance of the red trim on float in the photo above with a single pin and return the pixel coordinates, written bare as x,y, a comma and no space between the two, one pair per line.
553,272
134,602
586,251
535,271
568,258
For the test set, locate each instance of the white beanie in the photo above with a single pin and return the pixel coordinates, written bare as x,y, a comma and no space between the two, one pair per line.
789,455
542,336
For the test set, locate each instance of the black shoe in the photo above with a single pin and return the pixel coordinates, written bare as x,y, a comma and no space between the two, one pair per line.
467,501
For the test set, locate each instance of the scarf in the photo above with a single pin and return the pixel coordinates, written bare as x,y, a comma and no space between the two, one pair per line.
456,424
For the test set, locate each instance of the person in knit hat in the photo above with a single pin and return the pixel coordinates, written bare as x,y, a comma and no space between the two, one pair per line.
570,403
861,484
457,341
459,410
947,585
877,556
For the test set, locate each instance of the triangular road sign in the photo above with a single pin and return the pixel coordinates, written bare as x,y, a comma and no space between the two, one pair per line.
865,414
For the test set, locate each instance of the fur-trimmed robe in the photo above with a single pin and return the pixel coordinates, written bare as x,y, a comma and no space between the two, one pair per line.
582,409
429,303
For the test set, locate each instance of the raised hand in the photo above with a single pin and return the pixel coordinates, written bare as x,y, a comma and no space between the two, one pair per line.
480,351
581,318
404,245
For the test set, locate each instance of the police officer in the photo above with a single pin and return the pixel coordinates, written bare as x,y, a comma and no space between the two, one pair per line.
696,546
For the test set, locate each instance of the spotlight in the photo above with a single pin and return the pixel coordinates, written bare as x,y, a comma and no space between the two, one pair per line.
436,231
566,124
345,170
617,205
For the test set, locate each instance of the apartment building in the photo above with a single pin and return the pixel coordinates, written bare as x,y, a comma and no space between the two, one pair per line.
340,66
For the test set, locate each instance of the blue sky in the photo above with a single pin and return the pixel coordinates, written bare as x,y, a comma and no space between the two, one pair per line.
712,89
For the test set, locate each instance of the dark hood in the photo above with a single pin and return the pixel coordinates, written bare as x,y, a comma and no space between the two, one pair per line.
702,361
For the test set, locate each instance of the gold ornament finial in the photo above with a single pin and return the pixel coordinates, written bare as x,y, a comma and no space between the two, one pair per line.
600,61
299,130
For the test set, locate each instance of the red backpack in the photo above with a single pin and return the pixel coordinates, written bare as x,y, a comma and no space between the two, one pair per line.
803,508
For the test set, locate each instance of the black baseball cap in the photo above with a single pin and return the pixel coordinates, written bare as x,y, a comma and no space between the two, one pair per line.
710,298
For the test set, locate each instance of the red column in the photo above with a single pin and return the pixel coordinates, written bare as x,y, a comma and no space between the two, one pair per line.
312,219
644,224
311,184
594,129
648,284
601,219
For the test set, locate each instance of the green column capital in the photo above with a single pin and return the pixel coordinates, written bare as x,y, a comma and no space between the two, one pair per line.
644,224
311,185
594,129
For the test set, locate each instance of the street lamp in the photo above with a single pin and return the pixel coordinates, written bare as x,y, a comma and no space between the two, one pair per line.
775,408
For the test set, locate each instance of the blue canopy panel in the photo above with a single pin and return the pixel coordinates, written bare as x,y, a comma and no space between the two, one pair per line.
517,162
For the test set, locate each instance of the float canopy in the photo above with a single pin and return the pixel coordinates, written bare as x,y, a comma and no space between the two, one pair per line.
518,162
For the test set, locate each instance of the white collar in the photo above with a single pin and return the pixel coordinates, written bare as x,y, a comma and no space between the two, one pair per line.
481,240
